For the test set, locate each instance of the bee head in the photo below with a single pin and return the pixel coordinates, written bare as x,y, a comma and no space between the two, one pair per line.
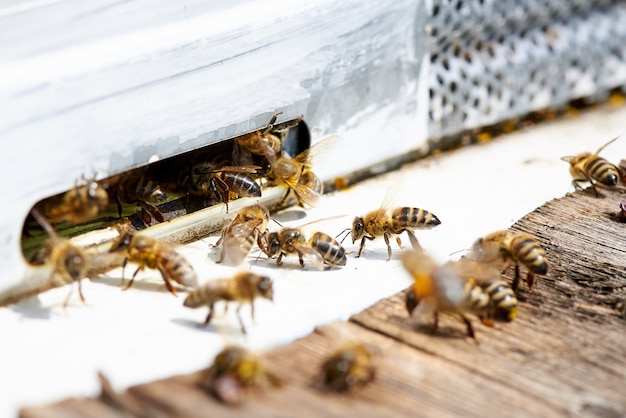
357,229
74,263
265,287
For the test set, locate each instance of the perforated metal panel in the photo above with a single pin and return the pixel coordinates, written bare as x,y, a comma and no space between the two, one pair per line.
496,59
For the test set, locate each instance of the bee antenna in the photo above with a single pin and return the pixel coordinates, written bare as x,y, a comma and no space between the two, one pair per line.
459,251
279,224
347,232
45,224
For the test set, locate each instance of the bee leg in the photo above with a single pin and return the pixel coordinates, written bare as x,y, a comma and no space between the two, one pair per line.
399,242
67,298
80,292
132,279
386,237
279,260
414,242
166,279
363,244
243,328
516,279
435,323
123,269
530,280
210,315
282,201
301,260
468,324
118,199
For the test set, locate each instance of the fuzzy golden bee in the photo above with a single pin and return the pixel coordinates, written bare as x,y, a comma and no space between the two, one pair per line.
240,235
78,205
297,175
456,289
590,167
69,262
243,288
502,249
234,370
387,222
263,142
349,367
148,252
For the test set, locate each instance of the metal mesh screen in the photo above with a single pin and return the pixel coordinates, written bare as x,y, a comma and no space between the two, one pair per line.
493,60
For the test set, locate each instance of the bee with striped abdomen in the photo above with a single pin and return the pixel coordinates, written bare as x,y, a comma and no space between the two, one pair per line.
243,231
588,167
502,249
457,288
153,254
223,183
263,142
243,288
387,222
331,250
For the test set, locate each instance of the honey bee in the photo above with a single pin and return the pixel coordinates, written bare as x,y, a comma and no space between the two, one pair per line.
588,167
240,235
454,289
349,367
263,142
153,254
505,248
297,175
224,182
235,368
69,263
139,189
331,250
243,288
386,222
78,205
290,241
486,295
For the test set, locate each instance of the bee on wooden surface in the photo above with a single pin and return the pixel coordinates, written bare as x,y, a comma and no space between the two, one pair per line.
297,175
224,183
502,249
153,254
69,263
349,367
235,369
456,288
240,235
139,189
243,288
387,222
588,167
78,205
263,142
290,241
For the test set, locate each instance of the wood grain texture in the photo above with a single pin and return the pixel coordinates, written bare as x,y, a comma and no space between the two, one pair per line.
563,356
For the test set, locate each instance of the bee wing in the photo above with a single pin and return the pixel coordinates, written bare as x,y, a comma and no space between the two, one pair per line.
243,230
319,148
469,269
310,254
250,169
568,158
304,193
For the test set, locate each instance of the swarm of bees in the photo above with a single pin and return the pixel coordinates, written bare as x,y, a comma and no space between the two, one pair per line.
470,287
